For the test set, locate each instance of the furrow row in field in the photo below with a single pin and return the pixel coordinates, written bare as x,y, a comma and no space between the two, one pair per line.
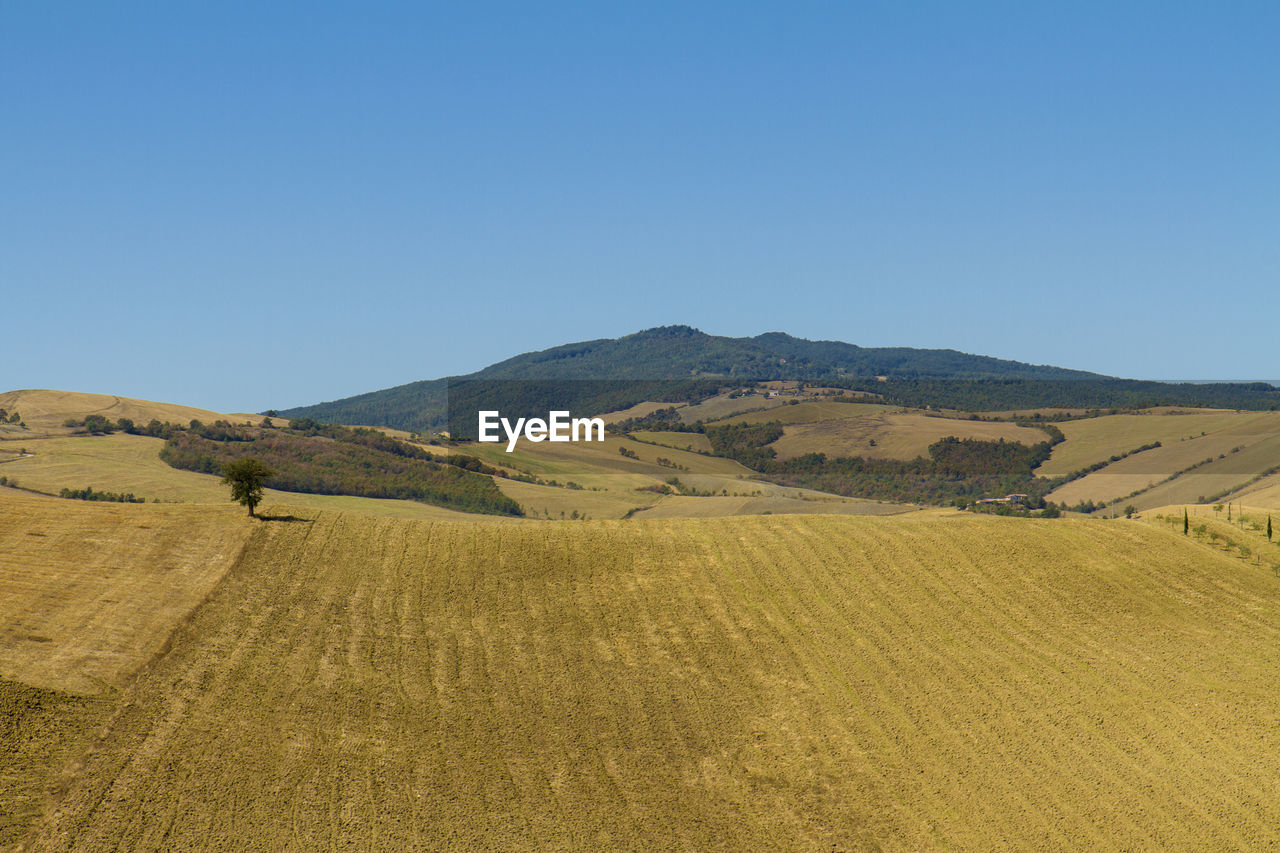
770,683
1082,682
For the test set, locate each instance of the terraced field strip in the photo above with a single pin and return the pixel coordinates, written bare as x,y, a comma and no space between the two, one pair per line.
610,479
1246,528
1097,439
614,495
1210,481
1242,456
115,463
784,683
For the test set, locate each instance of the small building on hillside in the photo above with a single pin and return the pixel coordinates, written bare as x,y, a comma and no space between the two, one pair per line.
1007,499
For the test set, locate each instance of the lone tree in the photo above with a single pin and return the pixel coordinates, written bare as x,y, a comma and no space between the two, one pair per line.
246,476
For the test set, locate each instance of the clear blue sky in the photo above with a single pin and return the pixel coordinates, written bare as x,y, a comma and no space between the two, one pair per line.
253,205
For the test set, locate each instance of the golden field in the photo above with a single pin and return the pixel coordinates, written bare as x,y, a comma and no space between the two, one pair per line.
90,591
763,683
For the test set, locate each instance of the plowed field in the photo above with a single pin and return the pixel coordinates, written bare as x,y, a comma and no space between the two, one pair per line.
765,683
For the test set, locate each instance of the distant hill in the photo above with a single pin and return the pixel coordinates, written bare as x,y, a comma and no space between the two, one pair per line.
685,355
43,410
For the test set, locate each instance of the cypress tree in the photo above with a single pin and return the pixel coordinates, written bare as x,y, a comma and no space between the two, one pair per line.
1268,528
1186,522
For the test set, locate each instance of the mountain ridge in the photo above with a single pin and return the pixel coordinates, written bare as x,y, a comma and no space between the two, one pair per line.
687,351
680,352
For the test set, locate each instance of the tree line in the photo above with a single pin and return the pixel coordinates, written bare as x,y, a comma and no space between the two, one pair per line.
989,395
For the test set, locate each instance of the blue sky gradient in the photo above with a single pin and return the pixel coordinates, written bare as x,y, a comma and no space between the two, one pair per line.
242,207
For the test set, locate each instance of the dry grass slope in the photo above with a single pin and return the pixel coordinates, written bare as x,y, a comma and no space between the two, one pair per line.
723,406
692,441
790,683
1264,493
639,410
44,410
88,594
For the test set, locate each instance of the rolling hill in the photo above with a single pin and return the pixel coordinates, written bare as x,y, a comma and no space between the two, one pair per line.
659,471
789,683
43,411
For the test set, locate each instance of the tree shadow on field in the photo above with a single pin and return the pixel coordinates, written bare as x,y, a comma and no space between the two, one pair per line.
283,518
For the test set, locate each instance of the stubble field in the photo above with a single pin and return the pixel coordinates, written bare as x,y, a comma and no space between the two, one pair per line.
785,683
90,591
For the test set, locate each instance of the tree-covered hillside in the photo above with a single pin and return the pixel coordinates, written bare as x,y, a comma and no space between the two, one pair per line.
678,353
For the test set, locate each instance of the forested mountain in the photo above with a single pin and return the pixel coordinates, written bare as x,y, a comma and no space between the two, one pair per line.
678,352
681,363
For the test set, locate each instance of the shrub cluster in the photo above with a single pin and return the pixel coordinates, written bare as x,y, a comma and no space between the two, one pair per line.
88,494
747,443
